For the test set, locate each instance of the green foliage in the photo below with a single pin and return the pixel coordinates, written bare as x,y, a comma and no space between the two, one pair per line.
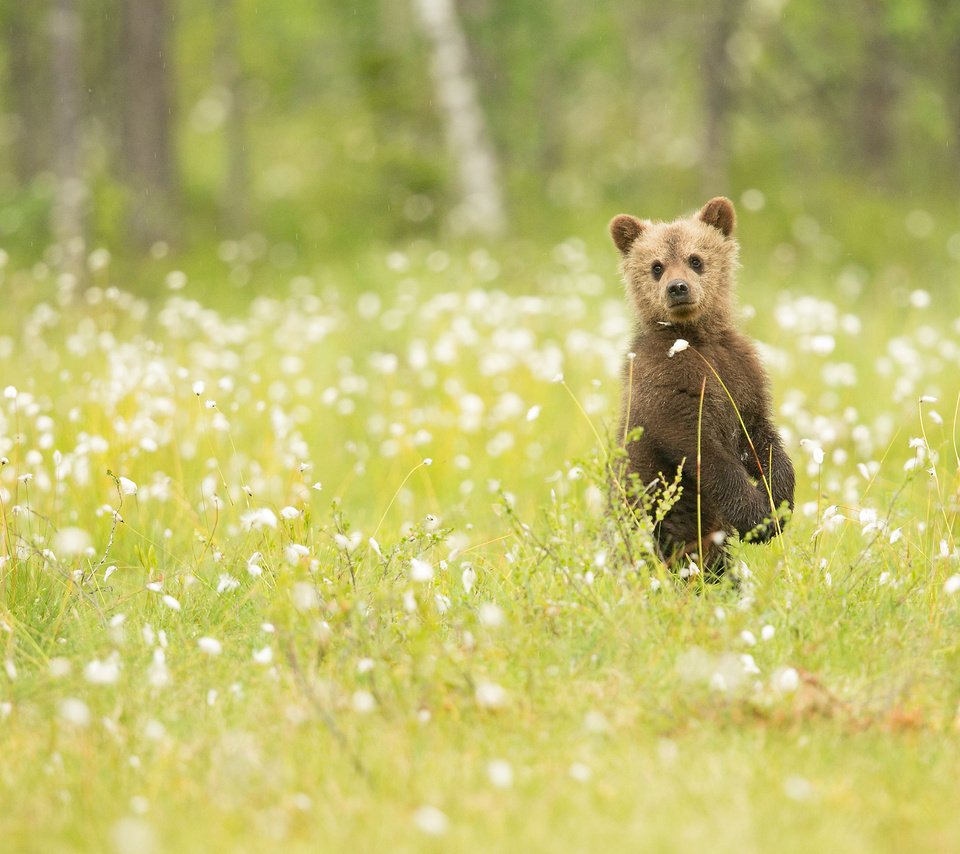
342,138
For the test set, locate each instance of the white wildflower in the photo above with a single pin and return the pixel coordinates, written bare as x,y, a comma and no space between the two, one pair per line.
103,672
679,346
491,616
254,520
68,542
786,680
59,667
580,772
294,552
154,730
348,543
363,702
127,486
264,655
157,673
305,597
75,712
596,722
500,773
227,583
431,821
210,646
409,601
490,695
797,788
718,682
420,570
870,521
253,564
176,280
815,451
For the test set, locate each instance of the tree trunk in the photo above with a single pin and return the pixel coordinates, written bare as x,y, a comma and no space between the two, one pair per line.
28,91
70,197
480,209
717,75
877,93
148,151
229,75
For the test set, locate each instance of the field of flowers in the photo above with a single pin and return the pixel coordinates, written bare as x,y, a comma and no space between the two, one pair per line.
322,562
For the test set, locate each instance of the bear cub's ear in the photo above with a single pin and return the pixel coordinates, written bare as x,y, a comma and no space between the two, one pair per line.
719,213
624,229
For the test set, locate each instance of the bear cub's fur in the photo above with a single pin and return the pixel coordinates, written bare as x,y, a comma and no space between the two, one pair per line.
680,278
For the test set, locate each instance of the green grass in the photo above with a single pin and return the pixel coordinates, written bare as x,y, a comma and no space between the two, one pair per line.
612,699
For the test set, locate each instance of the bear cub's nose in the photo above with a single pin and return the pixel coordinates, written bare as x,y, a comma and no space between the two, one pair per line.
678,291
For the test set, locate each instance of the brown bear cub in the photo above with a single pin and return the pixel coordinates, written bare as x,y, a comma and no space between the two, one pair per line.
680,277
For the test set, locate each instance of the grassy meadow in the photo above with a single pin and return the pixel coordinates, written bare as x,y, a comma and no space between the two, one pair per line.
319,560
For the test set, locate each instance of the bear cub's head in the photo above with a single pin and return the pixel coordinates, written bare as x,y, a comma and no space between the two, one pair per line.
680,273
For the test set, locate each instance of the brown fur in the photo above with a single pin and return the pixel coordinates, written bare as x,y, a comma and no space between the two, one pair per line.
662,393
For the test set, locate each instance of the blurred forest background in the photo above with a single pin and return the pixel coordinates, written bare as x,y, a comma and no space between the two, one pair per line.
307,129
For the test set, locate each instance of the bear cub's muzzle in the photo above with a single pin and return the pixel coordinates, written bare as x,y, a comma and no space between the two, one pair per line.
678,293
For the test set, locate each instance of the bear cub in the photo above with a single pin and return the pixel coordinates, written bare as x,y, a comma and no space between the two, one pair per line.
679,277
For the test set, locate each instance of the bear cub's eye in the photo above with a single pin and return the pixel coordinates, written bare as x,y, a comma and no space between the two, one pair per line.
696,263
657,270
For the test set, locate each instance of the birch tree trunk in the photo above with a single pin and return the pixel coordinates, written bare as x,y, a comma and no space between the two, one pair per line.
480,208
70,197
